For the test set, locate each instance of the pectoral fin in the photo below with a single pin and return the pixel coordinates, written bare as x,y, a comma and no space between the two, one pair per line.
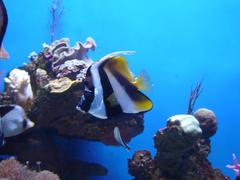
119,139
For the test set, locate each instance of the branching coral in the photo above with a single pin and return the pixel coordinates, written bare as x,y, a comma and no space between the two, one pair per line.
18,86
235,166
56,13
194,94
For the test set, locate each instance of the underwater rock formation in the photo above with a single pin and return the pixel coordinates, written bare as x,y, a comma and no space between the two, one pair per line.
180,155
57,75
141,165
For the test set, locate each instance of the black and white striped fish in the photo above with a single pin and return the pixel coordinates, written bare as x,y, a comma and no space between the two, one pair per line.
111,89
13,120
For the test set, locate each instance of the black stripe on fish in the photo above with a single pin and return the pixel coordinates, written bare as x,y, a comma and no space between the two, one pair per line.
4,109
126,145
88,94
132,91
3,21
108,94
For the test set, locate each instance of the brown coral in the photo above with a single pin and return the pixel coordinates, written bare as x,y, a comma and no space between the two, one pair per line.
207,120
141,164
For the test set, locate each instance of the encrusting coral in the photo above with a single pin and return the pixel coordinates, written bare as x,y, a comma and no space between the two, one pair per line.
12,169
180,155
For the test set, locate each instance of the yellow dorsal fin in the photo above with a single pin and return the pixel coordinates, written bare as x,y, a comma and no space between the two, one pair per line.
120,65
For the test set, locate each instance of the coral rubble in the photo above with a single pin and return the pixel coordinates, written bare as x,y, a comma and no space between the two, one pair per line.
180,155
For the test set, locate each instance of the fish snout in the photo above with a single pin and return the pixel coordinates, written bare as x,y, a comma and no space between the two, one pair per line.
30,124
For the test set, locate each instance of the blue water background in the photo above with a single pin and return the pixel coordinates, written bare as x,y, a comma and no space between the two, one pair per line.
177,43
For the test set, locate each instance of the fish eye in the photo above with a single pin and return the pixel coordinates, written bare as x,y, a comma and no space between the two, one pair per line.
86,83
24,123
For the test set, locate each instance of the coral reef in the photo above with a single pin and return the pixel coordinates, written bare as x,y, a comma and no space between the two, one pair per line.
66,61
141,164
12,169
180,155
57,76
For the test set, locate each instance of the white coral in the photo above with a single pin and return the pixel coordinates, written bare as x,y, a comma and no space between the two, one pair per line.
19,84
188,123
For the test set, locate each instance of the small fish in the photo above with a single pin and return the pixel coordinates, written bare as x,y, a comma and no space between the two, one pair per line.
119,139
3,28
111,89
13,120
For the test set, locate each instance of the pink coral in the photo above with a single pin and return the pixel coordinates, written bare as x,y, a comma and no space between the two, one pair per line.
235,166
